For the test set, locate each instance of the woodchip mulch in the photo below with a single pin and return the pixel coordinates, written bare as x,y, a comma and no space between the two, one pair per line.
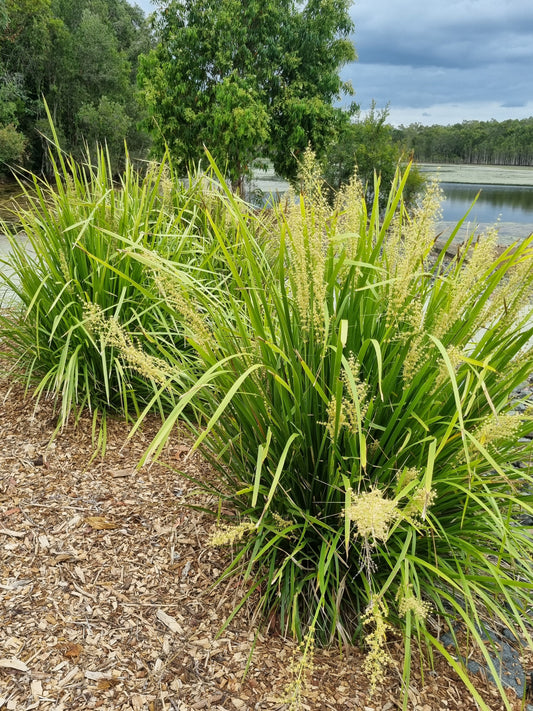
107,597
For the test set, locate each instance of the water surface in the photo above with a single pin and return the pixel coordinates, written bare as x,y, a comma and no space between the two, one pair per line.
506,197
506,203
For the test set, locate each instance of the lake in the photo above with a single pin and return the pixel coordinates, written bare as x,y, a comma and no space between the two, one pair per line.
514,203
506,196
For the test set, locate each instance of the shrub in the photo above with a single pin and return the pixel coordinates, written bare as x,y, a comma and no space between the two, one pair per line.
12,146
358,406
366,144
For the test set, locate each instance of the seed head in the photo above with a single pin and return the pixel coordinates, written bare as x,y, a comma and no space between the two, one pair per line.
377,659
372,514
227,535
410,603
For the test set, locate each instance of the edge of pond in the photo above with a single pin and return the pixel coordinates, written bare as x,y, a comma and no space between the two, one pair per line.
477,174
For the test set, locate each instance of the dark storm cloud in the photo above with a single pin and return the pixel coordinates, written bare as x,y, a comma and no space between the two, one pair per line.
458,53
443,34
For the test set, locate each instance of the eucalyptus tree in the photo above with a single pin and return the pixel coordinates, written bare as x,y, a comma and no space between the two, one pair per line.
507,142
247,79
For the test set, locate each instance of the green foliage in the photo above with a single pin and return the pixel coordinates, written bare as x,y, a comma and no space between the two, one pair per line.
11,98
489,142
366,145
356,402
246,79
12,146
3,16
102,68
76,54
240,123
81,303
105,124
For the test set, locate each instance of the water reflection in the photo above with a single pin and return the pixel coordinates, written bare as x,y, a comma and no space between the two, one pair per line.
509,203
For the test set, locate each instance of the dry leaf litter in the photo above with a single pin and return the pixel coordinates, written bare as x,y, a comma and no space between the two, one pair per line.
107,597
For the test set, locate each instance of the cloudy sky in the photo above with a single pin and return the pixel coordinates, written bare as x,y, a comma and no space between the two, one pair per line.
442,61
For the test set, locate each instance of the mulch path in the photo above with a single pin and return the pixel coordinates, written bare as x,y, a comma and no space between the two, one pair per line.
107,597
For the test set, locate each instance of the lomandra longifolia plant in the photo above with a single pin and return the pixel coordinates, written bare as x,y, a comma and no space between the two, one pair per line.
69,269
358,403
82,304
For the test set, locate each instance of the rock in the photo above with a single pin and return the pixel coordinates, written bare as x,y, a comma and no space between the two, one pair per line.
507,666
504,657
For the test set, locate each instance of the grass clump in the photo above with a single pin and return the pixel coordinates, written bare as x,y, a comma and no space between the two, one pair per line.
81,304
358,406
353,389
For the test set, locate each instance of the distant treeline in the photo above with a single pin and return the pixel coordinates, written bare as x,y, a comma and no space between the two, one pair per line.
488,142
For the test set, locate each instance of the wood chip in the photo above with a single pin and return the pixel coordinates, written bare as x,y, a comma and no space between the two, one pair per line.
63,556
68,677
99,523
14,584
96,675
13,534
43,541
71,650
139,701
169,622
121,473
14,663
36,688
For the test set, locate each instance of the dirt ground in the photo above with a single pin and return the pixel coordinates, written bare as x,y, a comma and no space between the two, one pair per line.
107,597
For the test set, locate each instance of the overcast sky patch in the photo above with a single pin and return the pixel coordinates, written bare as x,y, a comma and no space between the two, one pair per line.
444,62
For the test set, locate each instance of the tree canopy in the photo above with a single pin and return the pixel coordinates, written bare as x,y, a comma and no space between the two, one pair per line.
247,79
366,143
81,57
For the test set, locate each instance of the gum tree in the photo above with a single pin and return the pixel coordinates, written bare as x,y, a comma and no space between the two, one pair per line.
247,79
